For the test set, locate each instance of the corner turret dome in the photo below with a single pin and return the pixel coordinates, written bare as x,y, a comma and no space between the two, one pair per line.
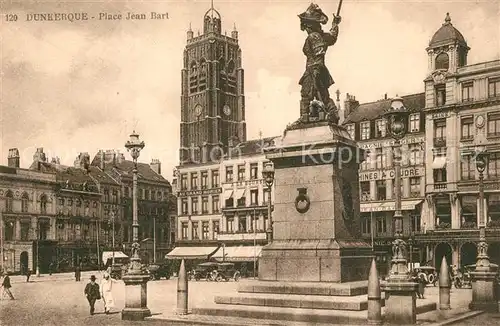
447,34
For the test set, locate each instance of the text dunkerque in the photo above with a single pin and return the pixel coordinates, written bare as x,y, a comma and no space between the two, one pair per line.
83,16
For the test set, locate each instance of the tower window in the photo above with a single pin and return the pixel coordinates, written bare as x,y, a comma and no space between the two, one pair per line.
442,61
440,95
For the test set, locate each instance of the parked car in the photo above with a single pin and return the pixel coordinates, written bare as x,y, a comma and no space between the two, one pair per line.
226,272
157,271
203,271
463,277
428,273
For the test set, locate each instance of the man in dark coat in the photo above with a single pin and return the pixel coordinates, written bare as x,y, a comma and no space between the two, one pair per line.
92,293
6,285
78,273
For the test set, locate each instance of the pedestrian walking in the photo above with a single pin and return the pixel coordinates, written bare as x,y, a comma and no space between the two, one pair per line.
28,274
6,286
78,273
422,282
92,293
51,267
106,292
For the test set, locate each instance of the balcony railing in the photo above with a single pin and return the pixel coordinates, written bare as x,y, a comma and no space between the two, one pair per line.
493,224
439,142
468,225
440,185
443,226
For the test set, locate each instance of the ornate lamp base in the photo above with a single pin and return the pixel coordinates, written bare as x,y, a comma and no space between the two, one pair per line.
136,297
483,291
400,302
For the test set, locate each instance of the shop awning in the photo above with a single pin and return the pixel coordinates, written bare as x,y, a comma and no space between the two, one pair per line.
109,255
439,162
191,253
238,253
406,205
239,193
228,194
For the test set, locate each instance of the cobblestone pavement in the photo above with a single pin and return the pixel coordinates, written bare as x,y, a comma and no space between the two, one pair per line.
61,301
483,320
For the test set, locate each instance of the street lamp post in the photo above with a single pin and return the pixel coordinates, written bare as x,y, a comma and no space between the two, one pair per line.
135,280
37,249
268,175
113,230
484,276
399,286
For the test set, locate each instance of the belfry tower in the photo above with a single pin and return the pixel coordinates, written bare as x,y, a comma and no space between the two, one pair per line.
212,100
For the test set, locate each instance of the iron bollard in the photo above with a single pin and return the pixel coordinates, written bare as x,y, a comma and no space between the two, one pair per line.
182,291
444,285
374,296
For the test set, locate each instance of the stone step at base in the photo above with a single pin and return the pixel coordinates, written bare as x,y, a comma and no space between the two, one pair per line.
320,316
352,303
305,288
343,317
206,320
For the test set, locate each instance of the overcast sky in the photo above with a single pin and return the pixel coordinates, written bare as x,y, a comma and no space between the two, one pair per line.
84,86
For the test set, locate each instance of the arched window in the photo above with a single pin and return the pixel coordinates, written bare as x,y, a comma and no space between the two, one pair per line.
442,61
9,201
24,202
43,204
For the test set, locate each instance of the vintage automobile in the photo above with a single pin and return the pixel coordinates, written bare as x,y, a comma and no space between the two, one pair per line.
226,272
203,271
157,271
428,273
462,278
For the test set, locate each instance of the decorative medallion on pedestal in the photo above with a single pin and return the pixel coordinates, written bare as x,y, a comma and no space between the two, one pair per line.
302,202
347,196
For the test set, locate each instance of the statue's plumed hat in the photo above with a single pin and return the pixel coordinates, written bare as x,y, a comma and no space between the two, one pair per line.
314,14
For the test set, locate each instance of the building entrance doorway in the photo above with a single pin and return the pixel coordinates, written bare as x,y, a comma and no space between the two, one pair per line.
468,254
24,262
442,250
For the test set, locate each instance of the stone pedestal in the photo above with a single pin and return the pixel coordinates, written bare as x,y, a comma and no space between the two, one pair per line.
483,291
400,303
136,297
316,236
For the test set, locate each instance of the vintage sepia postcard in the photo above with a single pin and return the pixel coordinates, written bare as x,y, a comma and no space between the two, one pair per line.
249,162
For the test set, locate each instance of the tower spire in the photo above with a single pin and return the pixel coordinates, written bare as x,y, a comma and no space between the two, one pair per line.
212,8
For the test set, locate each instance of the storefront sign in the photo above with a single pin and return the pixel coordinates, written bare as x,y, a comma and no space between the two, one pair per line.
389,174
440,115
203,192
390,142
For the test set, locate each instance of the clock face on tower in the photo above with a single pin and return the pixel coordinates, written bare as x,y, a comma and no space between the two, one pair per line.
197,110
226,110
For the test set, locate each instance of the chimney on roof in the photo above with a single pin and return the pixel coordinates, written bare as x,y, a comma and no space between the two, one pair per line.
39,155
102,158
82,161
156,165
385,96
13,159
350,104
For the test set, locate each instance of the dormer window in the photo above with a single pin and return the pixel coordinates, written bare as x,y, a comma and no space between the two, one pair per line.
442,61
350,130
380,128
365,130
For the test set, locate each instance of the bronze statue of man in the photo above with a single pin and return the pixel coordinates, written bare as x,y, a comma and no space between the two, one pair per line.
317,79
